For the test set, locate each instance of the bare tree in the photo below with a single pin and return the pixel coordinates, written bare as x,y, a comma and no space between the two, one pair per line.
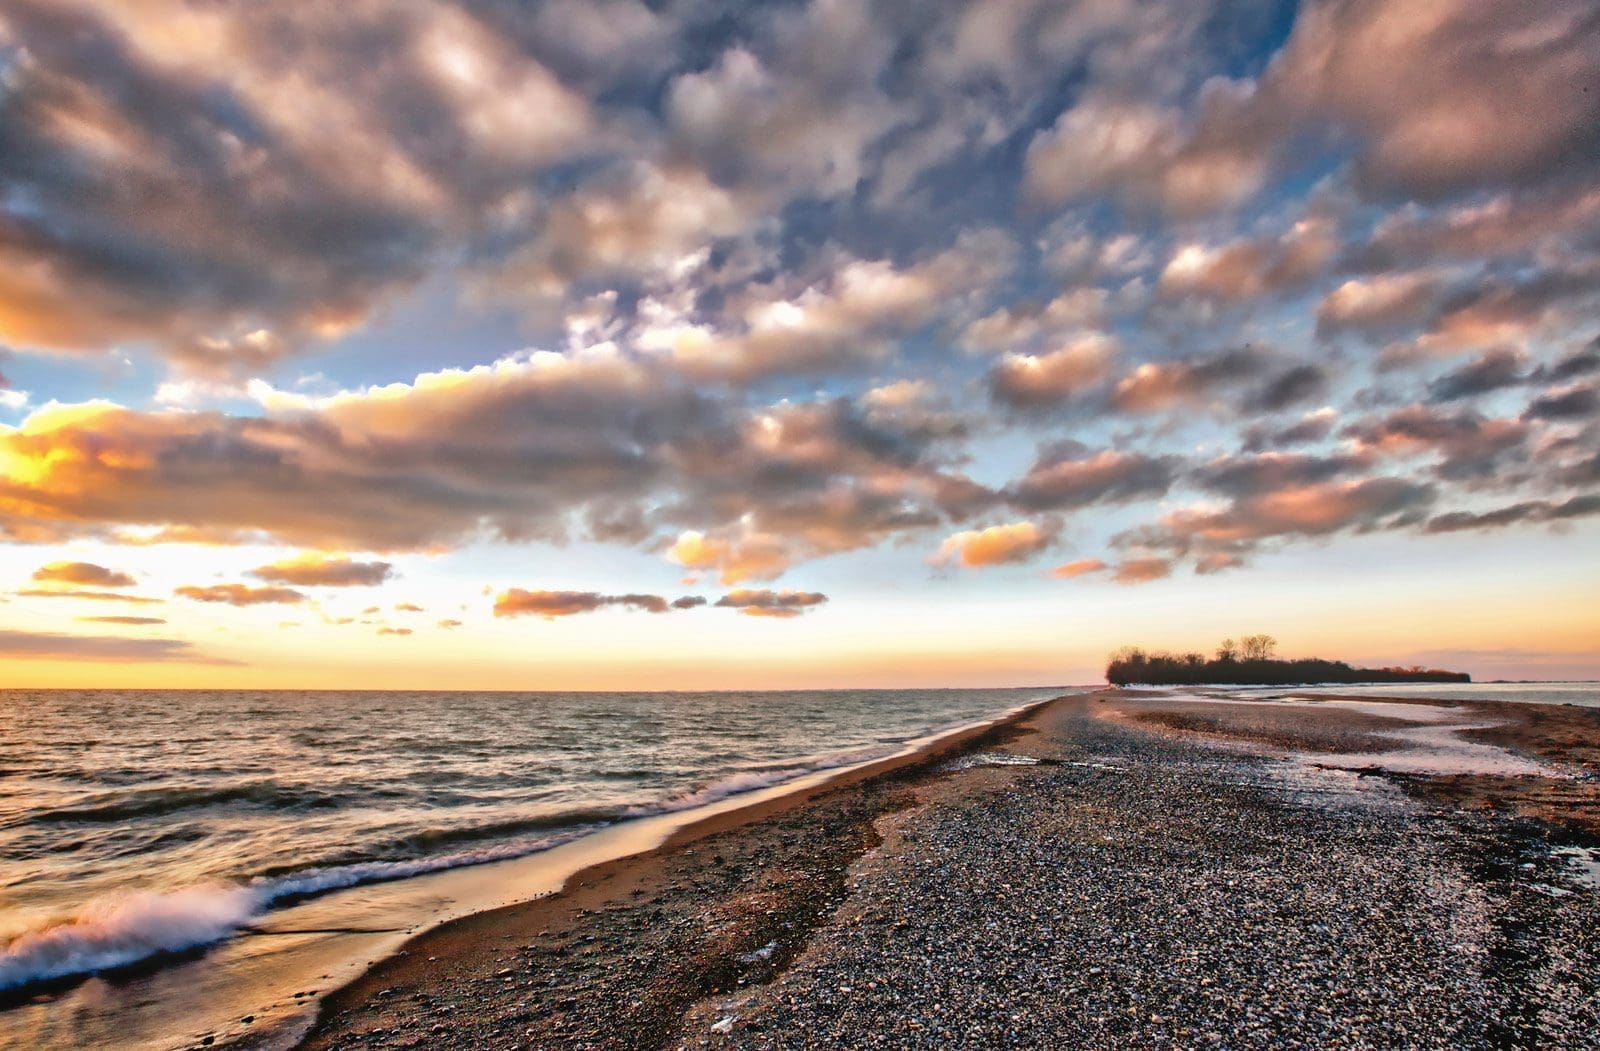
1228,650
1258,647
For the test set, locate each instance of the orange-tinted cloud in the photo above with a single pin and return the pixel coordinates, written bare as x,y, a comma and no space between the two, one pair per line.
1141,570
515,602
736,558
1157,386
1012,542
92,596
85,573
241,594
1037,380
121,620
315,570
1081,567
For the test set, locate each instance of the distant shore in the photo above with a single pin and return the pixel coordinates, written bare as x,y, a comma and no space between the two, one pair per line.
1121,869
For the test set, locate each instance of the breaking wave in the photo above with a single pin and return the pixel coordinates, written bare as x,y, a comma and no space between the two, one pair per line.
127,929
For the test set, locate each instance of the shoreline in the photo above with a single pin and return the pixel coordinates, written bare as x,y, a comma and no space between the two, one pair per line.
713,935
596,884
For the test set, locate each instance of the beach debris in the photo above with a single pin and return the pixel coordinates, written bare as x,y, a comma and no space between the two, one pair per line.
723,1024
967,762
757,955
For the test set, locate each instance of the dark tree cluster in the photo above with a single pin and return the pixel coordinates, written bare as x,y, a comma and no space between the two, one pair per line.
1250,662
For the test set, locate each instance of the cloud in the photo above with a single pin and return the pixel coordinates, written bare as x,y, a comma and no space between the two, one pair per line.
240,594
1432,93
1585,362
1312,427
1037,380
1244,476
1419,93
1515,514
1145,154
514,602
1141,570
845,319
121,620
408,607
1069,476
1467,443
1569,403
92,596
1504,224
1317,509
84,573
1082,567
40,645
688,601
314,570
1155,387
996,545
1293,386
1248,268
394,631
1073,317
766,603
450,623
772,121
736,556
1493,370
1378,303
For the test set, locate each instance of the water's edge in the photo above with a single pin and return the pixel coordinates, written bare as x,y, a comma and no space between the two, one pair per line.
701,821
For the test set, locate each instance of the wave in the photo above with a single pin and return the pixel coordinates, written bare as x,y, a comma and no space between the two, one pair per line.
126,929
158,802
118,932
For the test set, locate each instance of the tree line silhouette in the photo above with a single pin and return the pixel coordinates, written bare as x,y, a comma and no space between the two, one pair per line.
1250,661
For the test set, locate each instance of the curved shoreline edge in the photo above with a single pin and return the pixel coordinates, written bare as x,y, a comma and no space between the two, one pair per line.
919,755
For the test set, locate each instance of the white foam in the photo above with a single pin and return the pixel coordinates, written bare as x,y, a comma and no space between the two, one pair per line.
967,762
119,931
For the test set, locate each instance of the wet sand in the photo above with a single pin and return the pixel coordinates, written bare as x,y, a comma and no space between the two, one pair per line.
1166,873
1539,761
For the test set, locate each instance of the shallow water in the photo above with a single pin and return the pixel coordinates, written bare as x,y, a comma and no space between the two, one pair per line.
1428,736
1583,694
158,821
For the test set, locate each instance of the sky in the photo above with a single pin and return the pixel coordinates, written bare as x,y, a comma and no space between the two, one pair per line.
605,344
